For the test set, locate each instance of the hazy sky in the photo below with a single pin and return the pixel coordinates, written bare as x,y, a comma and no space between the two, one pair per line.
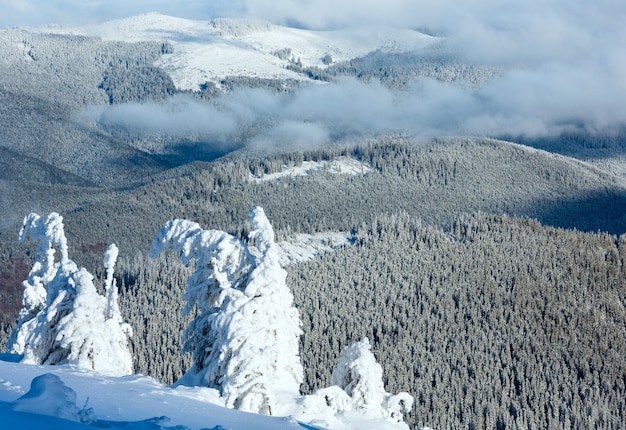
514,16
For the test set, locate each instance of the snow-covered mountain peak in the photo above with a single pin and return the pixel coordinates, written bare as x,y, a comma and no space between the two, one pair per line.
213,50
240,27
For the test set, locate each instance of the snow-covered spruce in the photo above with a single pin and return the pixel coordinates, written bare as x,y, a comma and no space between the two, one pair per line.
49,234
64,319
358,387
245,338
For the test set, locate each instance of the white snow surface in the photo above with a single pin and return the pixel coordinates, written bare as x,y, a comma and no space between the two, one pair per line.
128,401
135,402
212,50
301,247
340,165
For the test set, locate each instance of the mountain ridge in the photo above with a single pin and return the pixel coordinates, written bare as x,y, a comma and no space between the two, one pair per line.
213,50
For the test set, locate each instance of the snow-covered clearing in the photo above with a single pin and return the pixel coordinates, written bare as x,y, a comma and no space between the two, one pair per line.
340,165
304,247
212,50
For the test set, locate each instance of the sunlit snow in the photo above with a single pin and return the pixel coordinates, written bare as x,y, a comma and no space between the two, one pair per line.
135,402
129,402
340,165
212,50
303,247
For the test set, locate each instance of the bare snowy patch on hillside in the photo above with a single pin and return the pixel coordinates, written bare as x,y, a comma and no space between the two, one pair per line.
302,247
340,165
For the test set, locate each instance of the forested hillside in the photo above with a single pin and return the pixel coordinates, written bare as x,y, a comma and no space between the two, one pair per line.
434,180
499,322
47,79
399,70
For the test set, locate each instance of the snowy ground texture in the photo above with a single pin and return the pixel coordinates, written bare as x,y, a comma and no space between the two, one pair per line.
63,397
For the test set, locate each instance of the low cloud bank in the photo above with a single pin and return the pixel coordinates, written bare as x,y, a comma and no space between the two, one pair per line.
533,102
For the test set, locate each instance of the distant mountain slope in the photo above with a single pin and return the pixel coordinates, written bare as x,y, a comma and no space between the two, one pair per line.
46,80
68,69
437,181
21,167
212,50
41,129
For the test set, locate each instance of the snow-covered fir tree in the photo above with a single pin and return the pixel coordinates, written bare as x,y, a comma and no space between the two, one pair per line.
49,234
244,339
73,323
358,387
361,377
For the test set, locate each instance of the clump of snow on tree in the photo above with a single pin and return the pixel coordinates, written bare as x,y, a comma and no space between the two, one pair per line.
49,234
245,338
64,319
358,387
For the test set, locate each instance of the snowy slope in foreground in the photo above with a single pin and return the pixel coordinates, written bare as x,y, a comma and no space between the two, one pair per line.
133,402
211,50
130,399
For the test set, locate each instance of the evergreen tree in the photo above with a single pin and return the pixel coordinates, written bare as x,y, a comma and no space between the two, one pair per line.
245,337
358,386
49,234
74,324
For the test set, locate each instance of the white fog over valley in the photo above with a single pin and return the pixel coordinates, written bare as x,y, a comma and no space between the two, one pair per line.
312,214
